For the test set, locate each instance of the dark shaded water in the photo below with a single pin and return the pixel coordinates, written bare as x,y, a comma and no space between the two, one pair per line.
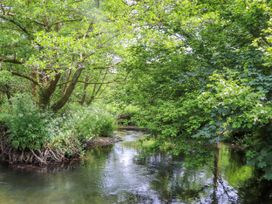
117,175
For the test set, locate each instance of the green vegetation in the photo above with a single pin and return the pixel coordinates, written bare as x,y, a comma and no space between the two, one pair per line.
192,72
50,137
200,72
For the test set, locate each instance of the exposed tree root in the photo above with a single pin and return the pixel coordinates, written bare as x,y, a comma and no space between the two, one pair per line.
48,156
44,157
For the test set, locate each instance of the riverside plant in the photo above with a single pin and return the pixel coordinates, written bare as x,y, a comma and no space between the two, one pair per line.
30,136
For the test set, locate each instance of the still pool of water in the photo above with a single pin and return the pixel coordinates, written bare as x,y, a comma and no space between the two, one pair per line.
117,175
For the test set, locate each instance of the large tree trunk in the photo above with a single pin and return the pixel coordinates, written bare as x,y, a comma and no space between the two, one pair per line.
46,94
64,99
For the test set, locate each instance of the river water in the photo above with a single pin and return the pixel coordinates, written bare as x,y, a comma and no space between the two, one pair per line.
119,174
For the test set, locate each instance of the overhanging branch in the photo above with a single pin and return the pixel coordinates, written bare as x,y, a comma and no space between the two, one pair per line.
10,60
25,77
17,24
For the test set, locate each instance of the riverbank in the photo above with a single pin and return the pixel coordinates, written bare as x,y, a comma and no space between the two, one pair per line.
101,142
31,136
50,156
131,128
31,161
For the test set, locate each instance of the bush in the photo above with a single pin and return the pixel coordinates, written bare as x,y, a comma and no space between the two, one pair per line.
27,125
91,122
63,135
128,114
84,122
66,143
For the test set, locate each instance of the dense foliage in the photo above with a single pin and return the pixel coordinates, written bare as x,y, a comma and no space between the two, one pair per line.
27,124
200,72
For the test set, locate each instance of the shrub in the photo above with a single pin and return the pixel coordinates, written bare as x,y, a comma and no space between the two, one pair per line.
27,125
84,122
128,114
91,122
104,124
64,135
66,143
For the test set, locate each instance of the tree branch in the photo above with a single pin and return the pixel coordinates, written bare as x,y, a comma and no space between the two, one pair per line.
25,77
63,100
79,81
66,21
16,24
10,60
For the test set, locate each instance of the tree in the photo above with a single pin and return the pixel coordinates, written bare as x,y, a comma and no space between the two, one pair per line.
187,50
51,44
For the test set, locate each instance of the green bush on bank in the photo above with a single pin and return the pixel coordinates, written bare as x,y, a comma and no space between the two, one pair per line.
92,121
33,129
27,124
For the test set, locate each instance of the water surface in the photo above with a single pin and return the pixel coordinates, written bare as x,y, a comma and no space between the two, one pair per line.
120,175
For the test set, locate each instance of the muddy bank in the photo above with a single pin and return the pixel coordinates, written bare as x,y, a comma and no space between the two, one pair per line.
101,142
132,128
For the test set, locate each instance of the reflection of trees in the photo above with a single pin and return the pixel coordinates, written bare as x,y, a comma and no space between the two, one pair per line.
222,191
215,174
79,185
176,182
206,181
233,167
229,173
255,190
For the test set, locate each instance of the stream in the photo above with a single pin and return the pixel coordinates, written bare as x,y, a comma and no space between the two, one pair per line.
119,174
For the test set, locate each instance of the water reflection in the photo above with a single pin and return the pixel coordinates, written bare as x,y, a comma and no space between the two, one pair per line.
117,175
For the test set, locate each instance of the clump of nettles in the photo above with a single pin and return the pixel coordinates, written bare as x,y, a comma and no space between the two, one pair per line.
41,137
